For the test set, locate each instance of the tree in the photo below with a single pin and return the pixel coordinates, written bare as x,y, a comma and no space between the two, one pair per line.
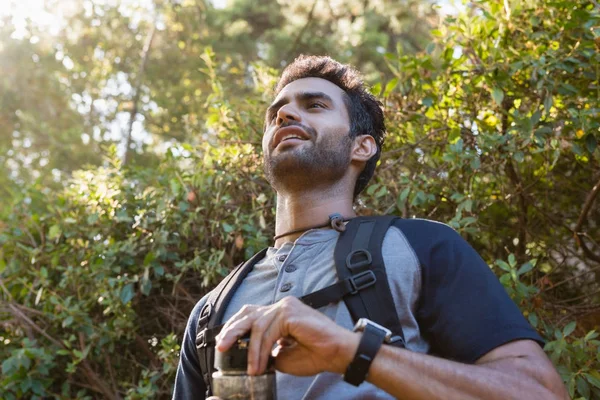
493,128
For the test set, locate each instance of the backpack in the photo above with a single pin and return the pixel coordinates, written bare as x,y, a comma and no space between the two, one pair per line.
362,284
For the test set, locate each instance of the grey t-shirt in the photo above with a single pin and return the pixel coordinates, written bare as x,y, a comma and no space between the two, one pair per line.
448,301
307,265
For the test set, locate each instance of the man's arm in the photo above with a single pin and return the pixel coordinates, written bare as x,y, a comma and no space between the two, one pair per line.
515,370
189,383
310,343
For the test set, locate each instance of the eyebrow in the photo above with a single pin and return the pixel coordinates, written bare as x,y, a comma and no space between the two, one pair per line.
302,96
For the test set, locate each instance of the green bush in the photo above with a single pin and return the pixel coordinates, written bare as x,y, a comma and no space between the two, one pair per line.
493,130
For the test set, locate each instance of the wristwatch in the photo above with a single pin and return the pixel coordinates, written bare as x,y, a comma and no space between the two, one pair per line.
374,335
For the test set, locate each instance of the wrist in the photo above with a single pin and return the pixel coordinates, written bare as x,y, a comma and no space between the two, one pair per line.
348,344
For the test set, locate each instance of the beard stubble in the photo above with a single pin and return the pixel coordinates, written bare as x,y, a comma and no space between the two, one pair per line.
309,165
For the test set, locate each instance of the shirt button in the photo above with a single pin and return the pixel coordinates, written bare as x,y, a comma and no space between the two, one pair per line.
290,268
282,258
285,287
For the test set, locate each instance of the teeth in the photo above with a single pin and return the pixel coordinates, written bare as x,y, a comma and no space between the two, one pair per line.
291,137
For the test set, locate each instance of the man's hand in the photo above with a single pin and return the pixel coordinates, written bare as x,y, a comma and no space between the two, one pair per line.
308,341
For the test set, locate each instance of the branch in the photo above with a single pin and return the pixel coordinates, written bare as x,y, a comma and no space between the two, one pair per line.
92,377
20,315
587,206
579,236
301,33
569,279
136,90
583,296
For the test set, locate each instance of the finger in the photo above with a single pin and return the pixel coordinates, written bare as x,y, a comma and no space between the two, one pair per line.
282,345
246,310
272,335
257,345
287,342
230,334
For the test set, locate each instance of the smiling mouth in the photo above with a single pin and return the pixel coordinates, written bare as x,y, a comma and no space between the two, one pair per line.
291,134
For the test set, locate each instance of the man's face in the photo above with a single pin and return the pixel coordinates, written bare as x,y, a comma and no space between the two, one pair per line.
306,141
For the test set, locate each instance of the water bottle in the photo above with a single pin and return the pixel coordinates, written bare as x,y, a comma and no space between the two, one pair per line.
231,381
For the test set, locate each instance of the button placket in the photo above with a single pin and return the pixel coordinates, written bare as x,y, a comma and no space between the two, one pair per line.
285,287
290,268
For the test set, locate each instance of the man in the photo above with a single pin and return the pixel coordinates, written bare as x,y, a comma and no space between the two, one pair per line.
464,337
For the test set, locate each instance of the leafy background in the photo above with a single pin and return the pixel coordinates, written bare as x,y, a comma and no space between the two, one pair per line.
131,174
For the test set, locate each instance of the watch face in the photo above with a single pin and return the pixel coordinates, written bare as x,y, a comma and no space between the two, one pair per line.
362,323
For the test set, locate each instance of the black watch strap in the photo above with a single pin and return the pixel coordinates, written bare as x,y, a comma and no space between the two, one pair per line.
370,343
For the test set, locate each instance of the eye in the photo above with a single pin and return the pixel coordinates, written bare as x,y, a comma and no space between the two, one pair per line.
316,105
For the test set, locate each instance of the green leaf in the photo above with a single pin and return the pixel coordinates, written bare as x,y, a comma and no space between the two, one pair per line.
150,256
591,143
591,335
593,380
391,85
583,388
371,189
525,268
519,156
8,366
126,293
533,319
569,328
503,265
430,48
402,197
376,89
122,216
92,218
159,270
571,387
67,321
548,103
381,192
468,204
54,232
146,287
498,95
535,118
436,33
511,260
427,101
227,227
175,186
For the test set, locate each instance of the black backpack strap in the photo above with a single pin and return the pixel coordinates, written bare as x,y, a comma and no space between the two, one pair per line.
358,257
337,291
209,320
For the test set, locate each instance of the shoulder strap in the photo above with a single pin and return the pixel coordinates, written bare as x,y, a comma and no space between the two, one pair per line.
211,315
358,254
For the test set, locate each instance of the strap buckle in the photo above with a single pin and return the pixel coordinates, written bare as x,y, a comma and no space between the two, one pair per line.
201,339
362,280
205,314
397,341
360,263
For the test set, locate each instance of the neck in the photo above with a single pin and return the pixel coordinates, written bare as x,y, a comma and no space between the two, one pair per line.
310,208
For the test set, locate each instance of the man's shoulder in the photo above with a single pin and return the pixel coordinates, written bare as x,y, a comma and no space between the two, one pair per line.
421,226
422,234
195,314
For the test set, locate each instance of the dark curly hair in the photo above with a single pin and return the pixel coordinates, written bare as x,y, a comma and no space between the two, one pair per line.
366,114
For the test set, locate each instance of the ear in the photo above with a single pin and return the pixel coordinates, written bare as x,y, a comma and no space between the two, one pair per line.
364,148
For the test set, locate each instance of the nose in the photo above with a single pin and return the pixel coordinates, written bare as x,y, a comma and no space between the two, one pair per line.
287,113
